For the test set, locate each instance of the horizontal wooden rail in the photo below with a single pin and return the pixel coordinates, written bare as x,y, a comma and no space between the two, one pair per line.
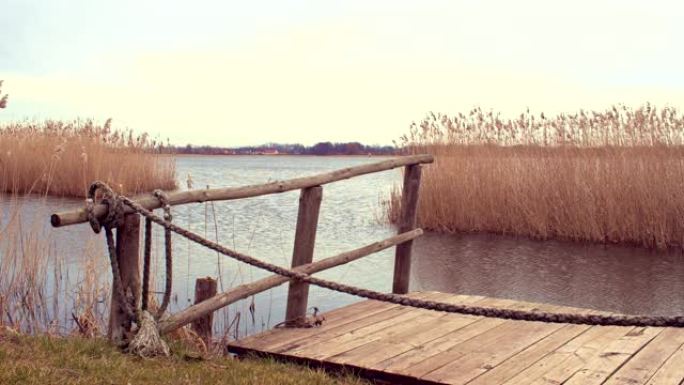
210,305
220,194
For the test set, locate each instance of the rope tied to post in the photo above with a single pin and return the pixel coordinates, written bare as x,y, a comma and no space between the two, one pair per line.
512,314
147,341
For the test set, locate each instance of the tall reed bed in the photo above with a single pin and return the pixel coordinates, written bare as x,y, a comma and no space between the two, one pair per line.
615,176
44,286
58,158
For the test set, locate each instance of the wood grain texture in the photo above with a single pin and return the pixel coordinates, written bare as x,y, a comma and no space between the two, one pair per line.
409,345
407,222
128,251
186,316
303,251
149,202
205,288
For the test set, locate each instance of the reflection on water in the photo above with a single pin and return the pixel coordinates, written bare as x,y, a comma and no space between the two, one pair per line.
609,278
620,279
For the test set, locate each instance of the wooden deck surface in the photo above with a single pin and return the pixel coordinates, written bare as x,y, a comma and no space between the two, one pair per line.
407,345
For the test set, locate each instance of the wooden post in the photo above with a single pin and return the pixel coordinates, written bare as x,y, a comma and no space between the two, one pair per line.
187,315
305,238
127,250
205,288
407,222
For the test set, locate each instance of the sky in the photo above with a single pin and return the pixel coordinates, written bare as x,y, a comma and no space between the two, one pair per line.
231,73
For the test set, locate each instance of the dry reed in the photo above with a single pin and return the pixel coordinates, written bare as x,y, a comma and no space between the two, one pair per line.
44,288
58,158
615,176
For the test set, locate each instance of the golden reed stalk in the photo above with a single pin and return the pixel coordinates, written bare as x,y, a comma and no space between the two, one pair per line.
612,177
62,159
56,158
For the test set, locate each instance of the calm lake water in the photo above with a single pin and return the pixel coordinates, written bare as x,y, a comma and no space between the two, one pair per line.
621,279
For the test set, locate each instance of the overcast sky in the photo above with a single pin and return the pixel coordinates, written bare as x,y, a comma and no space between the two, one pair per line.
248,72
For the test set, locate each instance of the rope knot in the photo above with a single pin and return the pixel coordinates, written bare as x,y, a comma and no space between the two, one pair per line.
115,207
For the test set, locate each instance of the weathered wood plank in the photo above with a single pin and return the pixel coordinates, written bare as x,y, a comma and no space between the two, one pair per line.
514,365
411,345
150,202
569,358
612,357
128,257
643,365
484,352
337,322
243,291
303,251
348,337
407,222
407,337
672,371
402,362
455,352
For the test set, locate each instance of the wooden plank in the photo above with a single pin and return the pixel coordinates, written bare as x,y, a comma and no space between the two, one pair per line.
519,362
361,337
643,365
612,357
386,346
302,254
186,316
345,320
273,338
402,362
672,371
127,250
407,222
456,352
483,352
150,202
514,365
421,345
569,358
350,336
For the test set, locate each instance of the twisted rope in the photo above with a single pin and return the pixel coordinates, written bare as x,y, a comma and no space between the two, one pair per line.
114,218
164,200
147,341
512,314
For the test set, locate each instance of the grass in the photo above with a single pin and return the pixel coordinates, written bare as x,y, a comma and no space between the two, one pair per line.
56,360
63,158
612,177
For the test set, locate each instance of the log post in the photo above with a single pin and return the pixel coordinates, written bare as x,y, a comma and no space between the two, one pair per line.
407,222
205,288
305,238
127,251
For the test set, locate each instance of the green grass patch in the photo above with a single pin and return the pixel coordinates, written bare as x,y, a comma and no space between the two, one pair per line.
50,360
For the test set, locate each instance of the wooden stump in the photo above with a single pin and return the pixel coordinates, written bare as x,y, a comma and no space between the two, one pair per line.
205,288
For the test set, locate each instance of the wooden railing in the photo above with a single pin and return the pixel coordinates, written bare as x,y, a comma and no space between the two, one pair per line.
128,240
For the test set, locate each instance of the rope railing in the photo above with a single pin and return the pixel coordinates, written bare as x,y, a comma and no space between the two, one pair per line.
116,209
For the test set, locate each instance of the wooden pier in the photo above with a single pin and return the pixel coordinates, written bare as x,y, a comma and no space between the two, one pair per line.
400,344
381,340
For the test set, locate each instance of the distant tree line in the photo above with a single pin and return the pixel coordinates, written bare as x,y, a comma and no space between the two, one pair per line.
321,148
